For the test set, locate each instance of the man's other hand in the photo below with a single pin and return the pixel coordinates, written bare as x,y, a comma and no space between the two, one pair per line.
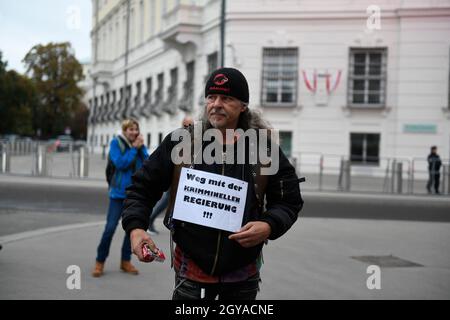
252,234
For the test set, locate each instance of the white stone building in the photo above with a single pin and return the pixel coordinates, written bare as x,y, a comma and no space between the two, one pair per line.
335,77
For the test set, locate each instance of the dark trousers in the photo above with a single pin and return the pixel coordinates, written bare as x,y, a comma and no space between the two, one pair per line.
191,290
114,213
433,180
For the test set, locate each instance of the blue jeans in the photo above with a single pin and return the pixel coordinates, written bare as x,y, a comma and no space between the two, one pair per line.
159,207
114,213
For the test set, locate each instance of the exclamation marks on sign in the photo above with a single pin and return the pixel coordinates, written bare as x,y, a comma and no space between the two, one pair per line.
207,215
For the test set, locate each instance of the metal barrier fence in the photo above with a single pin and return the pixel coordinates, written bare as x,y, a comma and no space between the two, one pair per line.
327,172
323,172
39,158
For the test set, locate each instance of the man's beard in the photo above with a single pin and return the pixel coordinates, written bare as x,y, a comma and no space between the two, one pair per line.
214,123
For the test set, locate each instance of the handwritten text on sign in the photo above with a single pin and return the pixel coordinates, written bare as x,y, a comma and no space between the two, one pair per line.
210,200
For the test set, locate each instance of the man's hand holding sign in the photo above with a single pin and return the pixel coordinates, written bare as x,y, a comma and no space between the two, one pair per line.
252,233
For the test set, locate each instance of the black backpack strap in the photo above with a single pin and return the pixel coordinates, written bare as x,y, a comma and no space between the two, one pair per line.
173,192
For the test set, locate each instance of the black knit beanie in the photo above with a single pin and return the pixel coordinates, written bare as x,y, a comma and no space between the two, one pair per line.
229,82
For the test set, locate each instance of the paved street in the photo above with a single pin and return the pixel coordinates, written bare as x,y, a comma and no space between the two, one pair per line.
47,225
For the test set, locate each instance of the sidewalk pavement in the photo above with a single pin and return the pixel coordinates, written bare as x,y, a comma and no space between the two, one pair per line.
312,261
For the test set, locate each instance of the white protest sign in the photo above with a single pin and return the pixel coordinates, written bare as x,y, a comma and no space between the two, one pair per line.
210,200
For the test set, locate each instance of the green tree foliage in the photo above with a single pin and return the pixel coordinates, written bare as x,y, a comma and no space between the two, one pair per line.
18,99
56,73
78,122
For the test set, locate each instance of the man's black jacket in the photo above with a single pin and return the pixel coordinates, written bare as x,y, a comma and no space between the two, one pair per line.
210,248
434,163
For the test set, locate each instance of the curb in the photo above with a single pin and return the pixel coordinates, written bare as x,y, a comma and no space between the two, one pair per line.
41,232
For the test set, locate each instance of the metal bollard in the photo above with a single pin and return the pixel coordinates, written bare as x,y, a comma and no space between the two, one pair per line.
446,178
412,177
72,160
320,172
341,174
344,182
393,171
5,159
40,167
347,168
83,162
399,177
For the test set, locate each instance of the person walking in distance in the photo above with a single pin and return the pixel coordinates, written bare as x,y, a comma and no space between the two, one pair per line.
434,167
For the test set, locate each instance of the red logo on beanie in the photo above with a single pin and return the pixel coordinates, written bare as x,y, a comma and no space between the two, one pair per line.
220,79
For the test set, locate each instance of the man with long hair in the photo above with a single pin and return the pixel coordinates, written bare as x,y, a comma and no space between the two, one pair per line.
212,262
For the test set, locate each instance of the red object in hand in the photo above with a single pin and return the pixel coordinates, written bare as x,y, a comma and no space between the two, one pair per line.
149,255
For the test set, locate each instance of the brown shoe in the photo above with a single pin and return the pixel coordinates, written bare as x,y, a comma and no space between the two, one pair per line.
127,267
98,271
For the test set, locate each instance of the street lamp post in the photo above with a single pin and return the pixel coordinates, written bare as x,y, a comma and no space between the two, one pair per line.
222,34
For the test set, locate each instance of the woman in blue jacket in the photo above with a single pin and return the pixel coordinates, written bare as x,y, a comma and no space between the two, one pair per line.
126,154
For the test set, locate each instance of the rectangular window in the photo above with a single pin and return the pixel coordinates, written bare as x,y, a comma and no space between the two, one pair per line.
173,83
367,77
286,143
190,72
121,97
279,79
102,102
160,138
95,113
160,91
148,93
149,140
107,100
113,103
186,101
138,89
365,148
212,62
137,97
128,96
